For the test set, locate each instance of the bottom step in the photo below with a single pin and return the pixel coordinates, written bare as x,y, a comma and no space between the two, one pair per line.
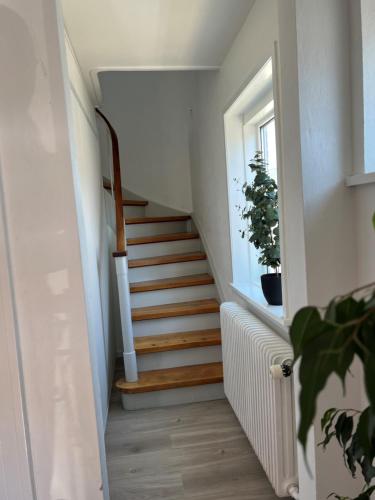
172,397
173,378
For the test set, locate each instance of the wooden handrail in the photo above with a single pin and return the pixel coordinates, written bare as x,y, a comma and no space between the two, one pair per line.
117,189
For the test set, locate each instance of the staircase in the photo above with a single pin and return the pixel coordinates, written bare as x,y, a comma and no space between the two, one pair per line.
168,301
175,312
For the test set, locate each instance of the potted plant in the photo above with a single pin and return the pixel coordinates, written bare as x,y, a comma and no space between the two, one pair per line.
327,340
262,219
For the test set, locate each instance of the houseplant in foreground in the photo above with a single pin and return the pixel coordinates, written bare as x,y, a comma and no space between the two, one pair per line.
327,341
262,219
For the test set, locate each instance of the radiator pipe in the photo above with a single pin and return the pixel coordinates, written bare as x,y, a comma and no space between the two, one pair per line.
293,491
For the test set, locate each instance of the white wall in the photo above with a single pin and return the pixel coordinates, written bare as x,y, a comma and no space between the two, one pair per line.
16,480
51,328
323,34
322,216
151,114
294,230
96,251
252,48
365,234
216,91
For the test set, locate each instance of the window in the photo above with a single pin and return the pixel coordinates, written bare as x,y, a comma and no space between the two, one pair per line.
260,134
267,134
250,126
363,84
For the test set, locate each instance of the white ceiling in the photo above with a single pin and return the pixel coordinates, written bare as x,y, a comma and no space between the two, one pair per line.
152,34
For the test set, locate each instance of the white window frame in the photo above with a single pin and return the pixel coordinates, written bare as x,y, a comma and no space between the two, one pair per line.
267,114
363,100
256,105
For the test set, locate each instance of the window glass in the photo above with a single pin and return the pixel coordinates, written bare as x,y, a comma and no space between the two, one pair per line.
266,142
268,146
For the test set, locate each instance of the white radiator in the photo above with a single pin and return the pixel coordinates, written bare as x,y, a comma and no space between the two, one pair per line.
263,404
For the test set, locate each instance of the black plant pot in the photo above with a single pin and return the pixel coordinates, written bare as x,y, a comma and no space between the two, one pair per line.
271,286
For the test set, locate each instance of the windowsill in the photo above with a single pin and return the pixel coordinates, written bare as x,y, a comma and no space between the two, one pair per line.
359,179
257,303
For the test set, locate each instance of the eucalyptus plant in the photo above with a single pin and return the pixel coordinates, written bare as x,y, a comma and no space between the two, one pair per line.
261,213
327,340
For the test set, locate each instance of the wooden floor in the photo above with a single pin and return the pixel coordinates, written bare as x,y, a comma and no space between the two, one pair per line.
196,451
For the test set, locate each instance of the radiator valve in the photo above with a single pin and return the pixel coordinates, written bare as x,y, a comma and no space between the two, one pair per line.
283,370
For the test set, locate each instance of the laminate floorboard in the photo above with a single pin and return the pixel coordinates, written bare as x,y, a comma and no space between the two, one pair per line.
196,451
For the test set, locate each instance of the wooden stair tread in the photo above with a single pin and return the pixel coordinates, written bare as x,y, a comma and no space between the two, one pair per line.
203,306
134,203
172,378
167,259
166,283
150,220
160,238
177,341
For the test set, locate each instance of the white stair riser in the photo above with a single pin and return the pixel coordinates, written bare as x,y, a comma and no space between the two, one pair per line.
134,211
167,271
154,228
143,299
170,397
165,248
177,324
185,357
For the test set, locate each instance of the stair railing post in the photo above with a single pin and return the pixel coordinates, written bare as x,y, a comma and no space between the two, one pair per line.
130,358
129,354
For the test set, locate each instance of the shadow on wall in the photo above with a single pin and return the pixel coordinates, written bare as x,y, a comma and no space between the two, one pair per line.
45,298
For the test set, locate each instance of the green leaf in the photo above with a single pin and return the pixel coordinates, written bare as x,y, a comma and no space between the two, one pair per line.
326,425
320,358
353,454
366,495
338,497
303,327
327,417
327,438
330,314
366,430
314,372
368,470
370,377
370,304
348,309
344,429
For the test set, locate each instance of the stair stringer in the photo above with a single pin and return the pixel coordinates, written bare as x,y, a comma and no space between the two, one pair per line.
196,226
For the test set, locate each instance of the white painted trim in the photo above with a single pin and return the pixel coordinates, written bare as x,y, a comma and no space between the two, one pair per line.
281,180
94,74
235,96
272,315
99,416
130,358
359,179
80,104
